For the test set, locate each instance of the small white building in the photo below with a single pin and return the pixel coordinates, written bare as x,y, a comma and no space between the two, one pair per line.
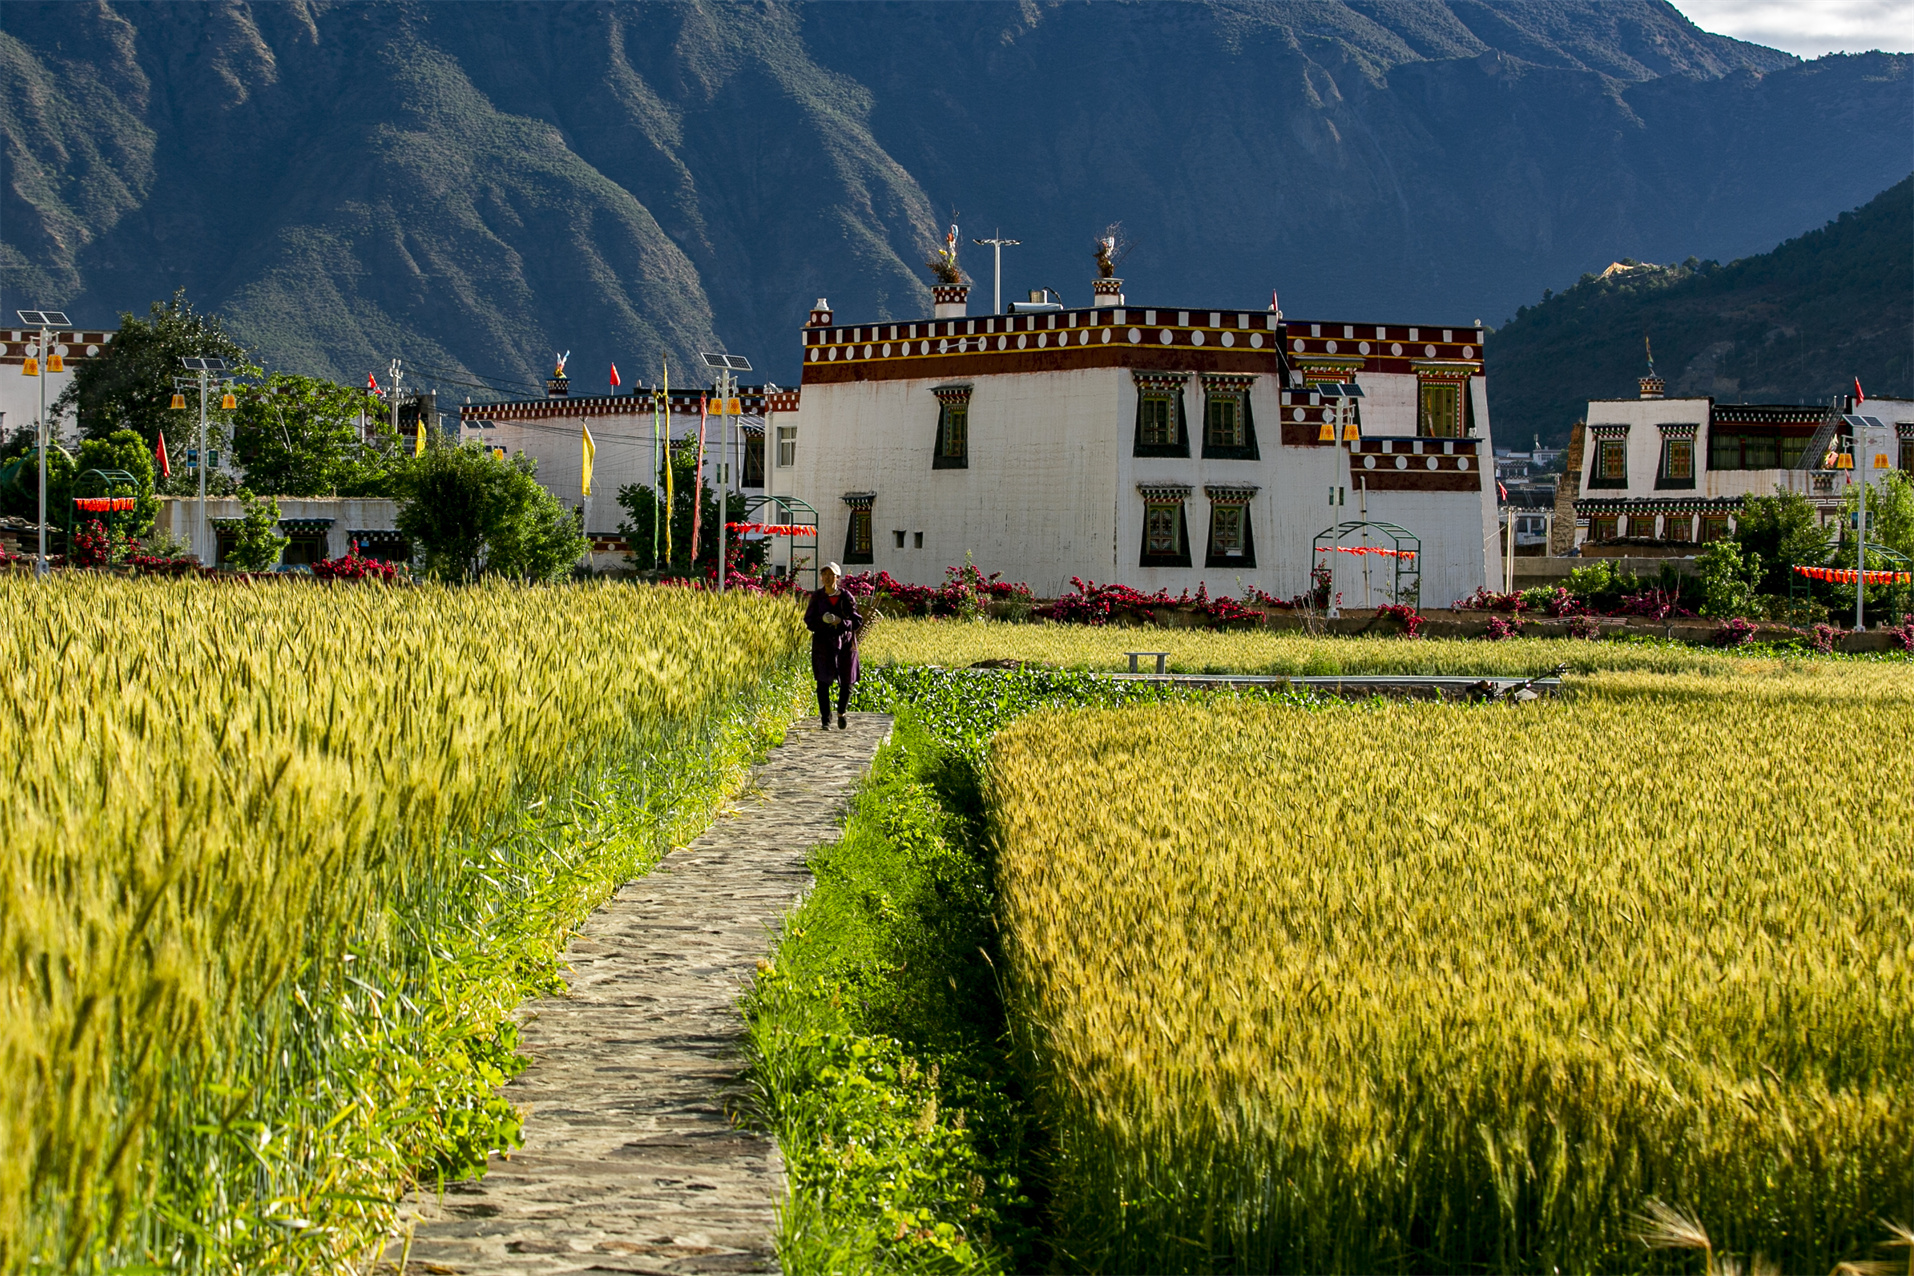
1679,470
1153,446
20,394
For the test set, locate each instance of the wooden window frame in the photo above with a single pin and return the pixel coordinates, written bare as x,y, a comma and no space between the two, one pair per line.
1673,445
1604,448
1600,523
1221,510
1165,388
1234,390
1170,501
1426,425
1714,527
950,445
1687,522
787,446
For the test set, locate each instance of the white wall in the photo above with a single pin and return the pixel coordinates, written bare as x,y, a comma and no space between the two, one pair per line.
179,516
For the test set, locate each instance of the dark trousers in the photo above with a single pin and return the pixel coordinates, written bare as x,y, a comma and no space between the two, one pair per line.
824,697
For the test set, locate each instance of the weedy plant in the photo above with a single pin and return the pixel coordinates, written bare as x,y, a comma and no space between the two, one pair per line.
1438,987
277,864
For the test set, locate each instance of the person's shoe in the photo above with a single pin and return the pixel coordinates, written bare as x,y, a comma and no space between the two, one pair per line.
842,722
826,724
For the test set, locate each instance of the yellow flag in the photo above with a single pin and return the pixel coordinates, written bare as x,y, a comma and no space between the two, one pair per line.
418,447
590,453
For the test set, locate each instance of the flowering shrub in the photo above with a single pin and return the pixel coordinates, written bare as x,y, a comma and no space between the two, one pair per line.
1583,626
1656,604
351,566
1486,599
95,546
1824,636
165,565
966,591
1095,604
1904,634
1734,632
1411,620
1500,628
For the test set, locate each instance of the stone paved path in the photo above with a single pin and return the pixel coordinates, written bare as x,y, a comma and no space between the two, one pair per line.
630,1163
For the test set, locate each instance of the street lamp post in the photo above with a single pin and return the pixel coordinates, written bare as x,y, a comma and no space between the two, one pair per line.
726,387
999,243
45,321
205,366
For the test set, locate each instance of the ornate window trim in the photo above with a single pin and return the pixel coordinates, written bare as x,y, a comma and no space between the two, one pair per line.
1232,500
1445,378
1161,387
858,545
1609,441
950,444
1677,442
1221,389
1159,497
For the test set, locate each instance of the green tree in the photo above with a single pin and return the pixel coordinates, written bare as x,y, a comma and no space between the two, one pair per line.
640,503
130,385
469,511
1727,581
258,544
1890,513
301,436
123,450
1785,532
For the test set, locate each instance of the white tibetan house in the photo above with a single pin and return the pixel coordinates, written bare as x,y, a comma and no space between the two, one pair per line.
1152,446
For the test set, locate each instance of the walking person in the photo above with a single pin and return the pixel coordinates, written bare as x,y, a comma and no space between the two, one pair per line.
834,624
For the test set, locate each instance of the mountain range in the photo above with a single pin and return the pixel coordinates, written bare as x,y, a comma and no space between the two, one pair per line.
476,186
1796,325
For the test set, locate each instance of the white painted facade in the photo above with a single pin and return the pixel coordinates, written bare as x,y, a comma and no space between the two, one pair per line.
20,394
330,522
1650,503
1050,485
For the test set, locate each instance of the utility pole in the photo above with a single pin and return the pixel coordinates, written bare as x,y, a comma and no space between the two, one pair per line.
204,367
394,376
44,358
1858,443
726,387
999,243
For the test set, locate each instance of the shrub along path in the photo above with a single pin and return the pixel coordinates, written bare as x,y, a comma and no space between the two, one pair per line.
630,1162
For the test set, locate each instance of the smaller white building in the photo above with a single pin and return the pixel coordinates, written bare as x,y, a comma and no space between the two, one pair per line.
20,394
1679,470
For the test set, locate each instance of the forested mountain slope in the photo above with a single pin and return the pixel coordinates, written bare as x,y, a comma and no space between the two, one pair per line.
474,186
1795,325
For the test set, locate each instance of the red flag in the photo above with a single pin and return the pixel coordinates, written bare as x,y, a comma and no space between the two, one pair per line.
159,454
372,383
1859,398
1502,492
615,382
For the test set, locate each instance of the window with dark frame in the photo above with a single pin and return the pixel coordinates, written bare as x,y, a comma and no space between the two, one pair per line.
951,449
1229,431
1604,527
1440,414
1232,541
1677,458
1730,449
1714,527
1159,414
1677,528
1610,468
754,460
1907,453
787,446
1166,537
857,534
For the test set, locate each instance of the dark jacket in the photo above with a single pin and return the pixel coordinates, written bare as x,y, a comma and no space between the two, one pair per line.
833,647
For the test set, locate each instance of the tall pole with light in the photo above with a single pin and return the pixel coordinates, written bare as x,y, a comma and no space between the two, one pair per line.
43,362
726,389
203,367
999,243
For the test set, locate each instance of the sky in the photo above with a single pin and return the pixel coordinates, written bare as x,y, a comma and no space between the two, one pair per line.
1809,28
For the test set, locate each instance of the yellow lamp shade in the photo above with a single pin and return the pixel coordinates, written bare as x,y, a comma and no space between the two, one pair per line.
227,402
1350,433
31,368
1845,461
1327,434
56,363
179,402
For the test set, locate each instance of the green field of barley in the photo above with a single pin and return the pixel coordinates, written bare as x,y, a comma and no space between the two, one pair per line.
1425,987
956,644
277,863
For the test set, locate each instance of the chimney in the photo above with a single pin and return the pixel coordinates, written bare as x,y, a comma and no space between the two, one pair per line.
558,386
820,314
1109,292
953,300
1652,386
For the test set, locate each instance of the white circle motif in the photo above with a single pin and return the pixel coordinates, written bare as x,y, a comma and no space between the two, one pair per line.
92,349
1196,338
813,354
1468,352
1297,345
1300,415
1462,462
1228,340
1429,352
1431,463
1165,336
1402,462
887,349
1256,340
1395,348
1020,341
1042,339
1106,336
1363,348
833,354
1330,346
1368,462
1136,335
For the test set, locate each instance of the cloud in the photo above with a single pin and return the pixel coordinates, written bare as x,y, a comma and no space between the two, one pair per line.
1809,28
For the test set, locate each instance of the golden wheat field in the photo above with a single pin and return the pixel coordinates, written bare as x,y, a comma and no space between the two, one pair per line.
1436,987
277,861
955,644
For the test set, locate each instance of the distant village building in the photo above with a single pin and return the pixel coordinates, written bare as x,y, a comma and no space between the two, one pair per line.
1674,473
1157,446
20,394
